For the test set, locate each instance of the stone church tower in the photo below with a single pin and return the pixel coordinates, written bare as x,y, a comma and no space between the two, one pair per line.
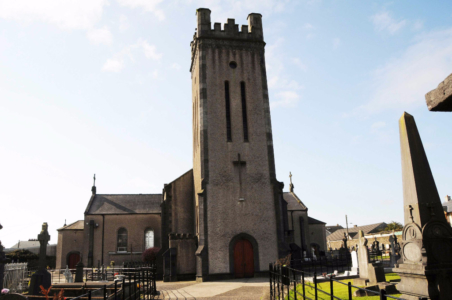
238,201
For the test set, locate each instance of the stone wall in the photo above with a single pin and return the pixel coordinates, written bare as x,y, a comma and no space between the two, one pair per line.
136,225
68,241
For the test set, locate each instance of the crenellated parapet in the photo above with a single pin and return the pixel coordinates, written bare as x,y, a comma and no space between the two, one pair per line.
251,32
181,236
249,36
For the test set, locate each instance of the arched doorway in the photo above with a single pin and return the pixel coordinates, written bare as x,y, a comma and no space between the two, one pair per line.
243,259
73,259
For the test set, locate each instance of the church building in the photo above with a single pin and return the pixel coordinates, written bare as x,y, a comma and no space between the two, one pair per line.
228,216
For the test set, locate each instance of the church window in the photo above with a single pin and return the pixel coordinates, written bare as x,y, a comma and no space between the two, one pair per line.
122,240
228,111
244,115
149,238
233,65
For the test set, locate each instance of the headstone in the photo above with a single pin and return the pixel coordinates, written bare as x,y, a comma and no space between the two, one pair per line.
426,248
394,250
68,275
41,277
354,270
346,273
79,271
363,255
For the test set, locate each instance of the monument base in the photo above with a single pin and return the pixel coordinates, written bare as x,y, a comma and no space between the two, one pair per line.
39,278
418,281
375,273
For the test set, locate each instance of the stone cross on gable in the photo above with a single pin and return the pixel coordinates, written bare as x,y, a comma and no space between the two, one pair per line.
240,164
43,239
291,186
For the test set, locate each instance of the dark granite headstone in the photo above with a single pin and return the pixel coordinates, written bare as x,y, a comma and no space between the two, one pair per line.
425,267
41,277
79,271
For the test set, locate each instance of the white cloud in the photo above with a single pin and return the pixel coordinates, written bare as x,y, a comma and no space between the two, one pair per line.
336,43
116,64
175,66
285,99
378,125
418,25
384,22
147,5
69,14
149,50
155,74
299,64
308,26
123,23
113,65
402,83
100,36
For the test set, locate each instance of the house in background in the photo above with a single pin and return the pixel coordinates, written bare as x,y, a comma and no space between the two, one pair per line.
335,240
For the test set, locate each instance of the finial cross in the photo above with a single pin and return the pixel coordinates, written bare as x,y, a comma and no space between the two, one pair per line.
290,176
94,184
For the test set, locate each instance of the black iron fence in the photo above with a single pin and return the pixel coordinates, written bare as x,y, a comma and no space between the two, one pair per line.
323,264
289,283
134,284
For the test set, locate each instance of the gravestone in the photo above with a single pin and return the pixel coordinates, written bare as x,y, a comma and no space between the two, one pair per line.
41,277
425,267
395,247
79,271
369,273
68,275
354,270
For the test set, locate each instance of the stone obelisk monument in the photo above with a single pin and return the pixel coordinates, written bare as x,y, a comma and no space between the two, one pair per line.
425,267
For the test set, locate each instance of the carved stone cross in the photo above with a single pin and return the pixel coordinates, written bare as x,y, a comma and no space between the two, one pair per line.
43,239
240,163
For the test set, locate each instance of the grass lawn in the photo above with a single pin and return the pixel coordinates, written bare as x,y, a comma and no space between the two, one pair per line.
340,290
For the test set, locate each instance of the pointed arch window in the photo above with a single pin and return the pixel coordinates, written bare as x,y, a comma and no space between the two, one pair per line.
122,240
228,111
149,238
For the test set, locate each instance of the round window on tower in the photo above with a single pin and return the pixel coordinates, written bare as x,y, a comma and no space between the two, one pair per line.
233,64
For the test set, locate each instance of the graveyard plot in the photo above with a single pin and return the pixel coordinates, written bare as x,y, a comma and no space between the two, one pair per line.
340,290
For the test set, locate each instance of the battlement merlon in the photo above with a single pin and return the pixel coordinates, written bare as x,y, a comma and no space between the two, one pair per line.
251,32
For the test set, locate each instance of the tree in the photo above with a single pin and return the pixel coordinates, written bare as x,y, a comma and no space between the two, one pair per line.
150,255
394,226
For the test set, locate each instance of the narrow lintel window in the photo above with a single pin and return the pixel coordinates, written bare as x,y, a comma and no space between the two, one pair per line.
122,240
244,115
149,238
228,111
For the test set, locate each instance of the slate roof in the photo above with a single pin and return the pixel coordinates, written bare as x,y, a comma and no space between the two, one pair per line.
333,228
26,244
77,225
353,231
314,221
293,202
124,204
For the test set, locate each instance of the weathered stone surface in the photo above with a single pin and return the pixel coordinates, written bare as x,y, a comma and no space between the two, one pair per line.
440,99
363,255
376,273
426,248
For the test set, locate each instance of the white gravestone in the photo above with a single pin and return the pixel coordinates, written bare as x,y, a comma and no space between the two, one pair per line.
68,275
354,270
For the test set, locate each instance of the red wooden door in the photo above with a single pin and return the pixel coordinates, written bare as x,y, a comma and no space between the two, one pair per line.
243,259
73,260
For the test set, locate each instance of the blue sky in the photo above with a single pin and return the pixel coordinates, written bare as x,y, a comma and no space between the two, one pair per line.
97,86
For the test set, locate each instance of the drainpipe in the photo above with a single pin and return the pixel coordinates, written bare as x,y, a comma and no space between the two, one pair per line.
103,231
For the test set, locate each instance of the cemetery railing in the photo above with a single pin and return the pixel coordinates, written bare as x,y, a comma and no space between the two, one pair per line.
323,264
292,284
136,285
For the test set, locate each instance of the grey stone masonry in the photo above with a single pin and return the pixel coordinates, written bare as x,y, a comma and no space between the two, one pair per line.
440,99
426,248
